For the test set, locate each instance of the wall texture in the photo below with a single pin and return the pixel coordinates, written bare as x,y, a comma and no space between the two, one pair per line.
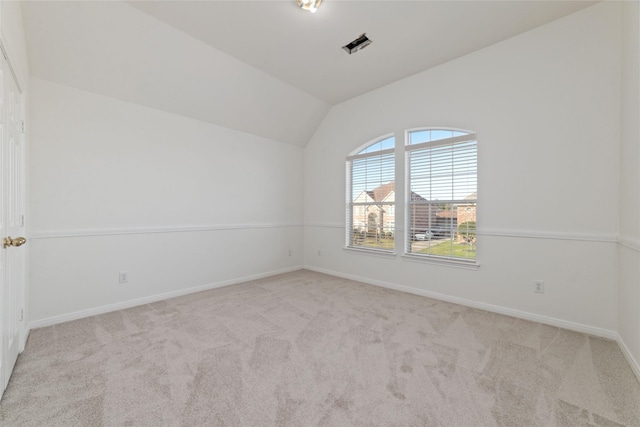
177,203
547,115
629,249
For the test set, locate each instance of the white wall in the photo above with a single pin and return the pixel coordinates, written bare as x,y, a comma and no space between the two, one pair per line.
629,250
13,39
177,203
546,108
147,62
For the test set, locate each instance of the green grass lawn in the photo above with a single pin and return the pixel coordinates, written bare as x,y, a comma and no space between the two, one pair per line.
460,250
443,248
371,242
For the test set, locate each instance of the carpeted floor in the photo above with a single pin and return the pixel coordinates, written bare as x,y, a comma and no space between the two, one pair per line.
307,349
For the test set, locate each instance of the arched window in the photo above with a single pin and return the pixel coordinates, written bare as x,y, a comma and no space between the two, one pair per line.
442,193
371,196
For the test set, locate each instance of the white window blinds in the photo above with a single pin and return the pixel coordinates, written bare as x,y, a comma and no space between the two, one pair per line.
442,193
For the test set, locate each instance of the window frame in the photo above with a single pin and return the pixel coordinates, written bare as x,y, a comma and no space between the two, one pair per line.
409,148
351,204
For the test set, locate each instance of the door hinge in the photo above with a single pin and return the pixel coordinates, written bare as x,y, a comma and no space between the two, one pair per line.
21,222
21,314
21,126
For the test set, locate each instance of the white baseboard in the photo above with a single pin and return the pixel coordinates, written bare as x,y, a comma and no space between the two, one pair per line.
24,337
152,298
565,324
578,327
635,365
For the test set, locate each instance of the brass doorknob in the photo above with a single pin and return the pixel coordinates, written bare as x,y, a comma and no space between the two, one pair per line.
9,241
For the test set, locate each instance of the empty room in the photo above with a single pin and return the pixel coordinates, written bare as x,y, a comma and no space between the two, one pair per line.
320,213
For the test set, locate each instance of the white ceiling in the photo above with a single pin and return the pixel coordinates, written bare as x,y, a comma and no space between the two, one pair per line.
304,49
263,67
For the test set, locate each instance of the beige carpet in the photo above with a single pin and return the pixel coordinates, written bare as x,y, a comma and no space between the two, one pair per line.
307,349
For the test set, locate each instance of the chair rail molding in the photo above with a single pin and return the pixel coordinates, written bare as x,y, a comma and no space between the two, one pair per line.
56,234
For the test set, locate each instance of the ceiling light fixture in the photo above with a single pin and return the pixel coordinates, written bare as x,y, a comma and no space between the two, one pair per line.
310,5
359,43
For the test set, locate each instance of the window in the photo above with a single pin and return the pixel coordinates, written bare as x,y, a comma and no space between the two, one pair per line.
371,196
441,170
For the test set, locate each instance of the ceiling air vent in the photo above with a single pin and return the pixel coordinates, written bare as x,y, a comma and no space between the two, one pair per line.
359,43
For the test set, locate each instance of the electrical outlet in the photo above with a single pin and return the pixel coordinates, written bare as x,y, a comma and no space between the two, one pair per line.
123,277
538,286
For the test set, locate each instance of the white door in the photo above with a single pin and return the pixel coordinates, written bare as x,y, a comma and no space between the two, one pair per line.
12,253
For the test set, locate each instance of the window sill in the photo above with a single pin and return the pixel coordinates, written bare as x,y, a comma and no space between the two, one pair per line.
445,262
373,252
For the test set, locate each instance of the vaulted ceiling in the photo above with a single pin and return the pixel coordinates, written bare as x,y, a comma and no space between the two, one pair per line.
264,67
